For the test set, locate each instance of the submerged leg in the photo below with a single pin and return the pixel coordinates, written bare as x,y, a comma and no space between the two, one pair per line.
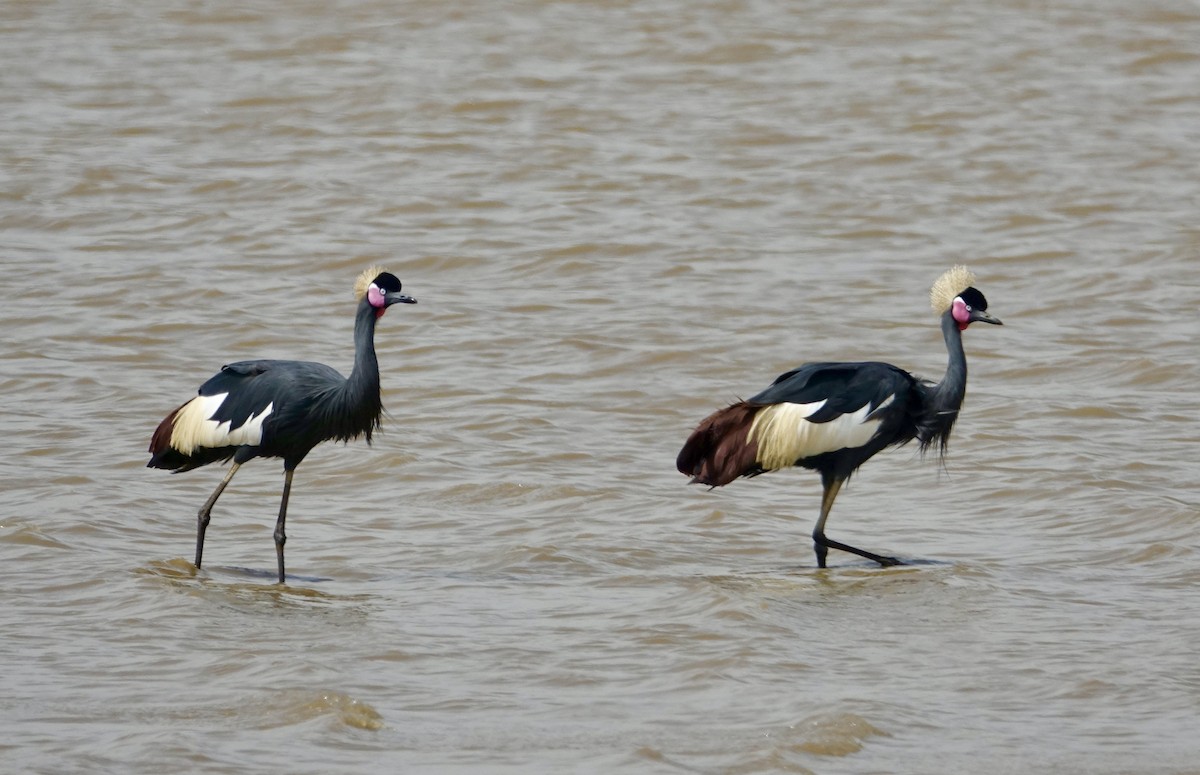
822,545
280,535
205,514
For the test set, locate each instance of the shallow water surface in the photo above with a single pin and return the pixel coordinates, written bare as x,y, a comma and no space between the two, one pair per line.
616,218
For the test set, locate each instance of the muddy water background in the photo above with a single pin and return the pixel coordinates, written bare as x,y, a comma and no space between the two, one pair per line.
616,217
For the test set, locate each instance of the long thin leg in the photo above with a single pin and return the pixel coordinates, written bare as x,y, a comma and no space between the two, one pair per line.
205,514
280,535
822,545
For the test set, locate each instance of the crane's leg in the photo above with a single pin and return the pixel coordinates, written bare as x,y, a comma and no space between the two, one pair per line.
205,515
280,535
822,545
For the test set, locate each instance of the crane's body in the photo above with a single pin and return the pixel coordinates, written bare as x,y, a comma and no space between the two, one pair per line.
265,408
280,409
833,417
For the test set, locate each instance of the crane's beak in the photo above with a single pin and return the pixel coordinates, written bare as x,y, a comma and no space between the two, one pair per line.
983,316
397,298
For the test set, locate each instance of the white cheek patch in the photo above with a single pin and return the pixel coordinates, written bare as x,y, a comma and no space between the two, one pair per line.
192,427
785,435
375,296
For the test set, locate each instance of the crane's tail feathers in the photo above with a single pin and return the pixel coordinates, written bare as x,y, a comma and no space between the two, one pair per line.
160,442
719,450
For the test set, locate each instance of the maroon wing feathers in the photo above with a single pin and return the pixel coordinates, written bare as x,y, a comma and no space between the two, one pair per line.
718,451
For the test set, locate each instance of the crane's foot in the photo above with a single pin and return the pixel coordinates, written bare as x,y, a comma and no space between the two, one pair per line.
822,545
884,562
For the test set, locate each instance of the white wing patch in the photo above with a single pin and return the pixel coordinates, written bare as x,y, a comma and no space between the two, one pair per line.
193,427
785,435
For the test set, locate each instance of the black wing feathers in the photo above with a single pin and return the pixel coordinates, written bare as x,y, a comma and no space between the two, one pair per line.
252,387
845,387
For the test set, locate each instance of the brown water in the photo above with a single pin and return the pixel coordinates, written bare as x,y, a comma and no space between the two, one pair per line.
616,217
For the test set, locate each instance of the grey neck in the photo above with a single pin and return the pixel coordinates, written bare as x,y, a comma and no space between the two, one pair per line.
949,393
365,376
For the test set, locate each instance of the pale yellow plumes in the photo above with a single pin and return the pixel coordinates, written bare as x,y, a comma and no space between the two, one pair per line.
188,427
364,281
785,435
952,282
192,428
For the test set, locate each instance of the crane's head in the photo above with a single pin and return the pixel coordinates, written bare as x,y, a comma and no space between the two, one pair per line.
955,292
381,289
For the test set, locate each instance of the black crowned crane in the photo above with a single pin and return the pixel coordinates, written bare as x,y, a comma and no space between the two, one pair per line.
279,409
832,417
